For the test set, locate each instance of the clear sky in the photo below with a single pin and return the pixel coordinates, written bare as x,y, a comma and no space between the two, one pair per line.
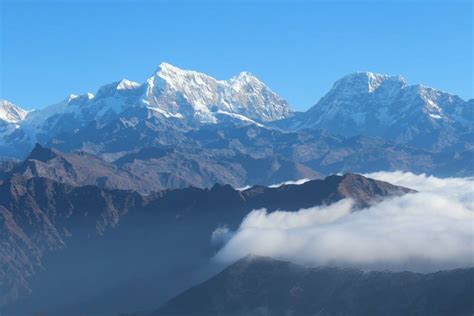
50,49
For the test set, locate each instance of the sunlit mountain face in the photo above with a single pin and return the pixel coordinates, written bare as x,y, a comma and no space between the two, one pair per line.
367,122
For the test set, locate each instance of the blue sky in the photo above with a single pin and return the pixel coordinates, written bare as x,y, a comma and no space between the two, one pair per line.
50,49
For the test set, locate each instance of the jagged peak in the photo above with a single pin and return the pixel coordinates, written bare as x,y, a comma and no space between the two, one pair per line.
11,113
77,98
240,97
167,67
230,96
178,77
71,97
350,177
366,81
172,73
223,188
121,85
245,75
245,78
126,84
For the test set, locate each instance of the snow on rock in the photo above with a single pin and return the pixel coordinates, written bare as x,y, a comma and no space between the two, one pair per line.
170,93
175,93
364,98
365,103
11,113
199,96
361,103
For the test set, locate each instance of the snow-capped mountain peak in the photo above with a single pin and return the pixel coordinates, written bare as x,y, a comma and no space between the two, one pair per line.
80,99
361,103
125,84
113,88
170,93
165,67
365,103
246,76
181,79
243,94
376,80
11,113
245,79
366,82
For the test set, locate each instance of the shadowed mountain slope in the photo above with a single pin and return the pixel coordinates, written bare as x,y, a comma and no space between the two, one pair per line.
50,226
263,286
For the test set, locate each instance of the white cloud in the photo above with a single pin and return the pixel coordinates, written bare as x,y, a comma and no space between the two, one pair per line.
457,188
426,231
221,235
297,182
244,188
294,182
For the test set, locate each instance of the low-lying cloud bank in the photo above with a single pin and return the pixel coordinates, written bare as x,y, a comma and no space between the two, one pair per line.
426,231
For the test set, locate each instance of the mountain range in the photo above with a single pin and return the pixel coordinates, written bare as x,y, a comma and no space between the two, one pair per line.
228,130
157,168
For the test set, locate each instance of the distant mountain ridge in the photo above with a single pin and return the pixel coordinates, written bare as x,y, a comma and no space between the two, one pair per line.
409,127
171,93
136,159
371,104
158,168
360,103
238,155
